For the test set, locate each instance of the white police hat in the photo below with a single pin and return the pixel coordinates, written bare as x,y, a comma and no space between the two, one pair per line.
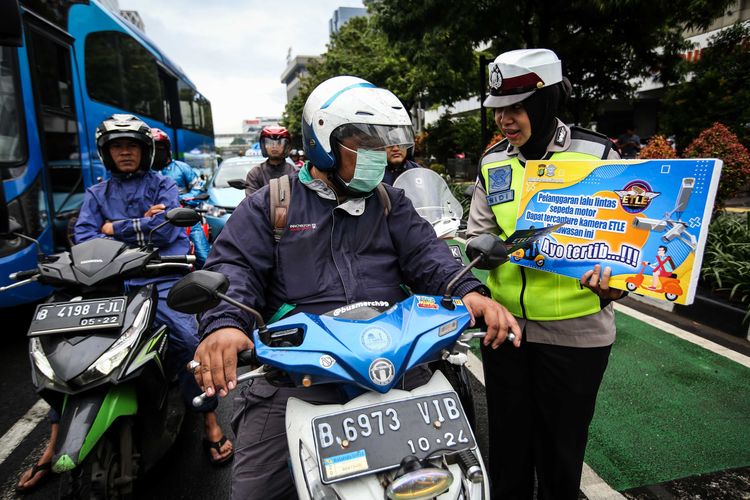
517,74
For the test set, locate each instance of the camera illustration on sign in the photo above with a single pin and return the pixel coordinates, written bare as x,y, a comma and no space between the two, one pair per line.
646,219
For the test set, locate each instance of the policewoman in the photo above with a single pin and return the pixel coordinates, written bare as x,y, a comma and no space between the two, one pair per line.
568,325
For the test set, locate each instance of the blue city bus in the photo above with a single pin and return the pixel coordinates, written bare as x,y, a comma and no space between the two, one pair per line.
71,64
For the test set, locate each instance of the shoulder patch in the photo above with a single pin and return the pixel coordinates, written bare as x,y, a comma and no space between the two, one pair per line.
560,135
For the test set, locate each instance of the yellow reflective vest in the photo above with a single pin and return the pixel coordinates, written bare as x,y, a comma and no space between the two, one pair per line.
525,292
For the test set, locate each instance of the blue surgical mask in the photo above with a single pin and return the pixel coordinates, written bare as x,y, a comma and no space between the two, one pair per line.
368,171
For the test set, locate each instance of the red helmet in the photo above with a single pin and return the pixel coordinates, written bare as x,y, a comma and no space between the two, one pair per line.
275,133
163,149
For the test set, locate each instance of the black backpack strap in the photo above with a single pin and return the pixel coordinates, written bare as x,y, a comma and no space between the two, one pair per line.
385,200
280,194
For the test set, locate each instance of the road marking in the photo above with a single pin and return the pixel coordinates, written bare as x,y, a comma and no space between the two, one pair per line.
592,485
22,428
685,335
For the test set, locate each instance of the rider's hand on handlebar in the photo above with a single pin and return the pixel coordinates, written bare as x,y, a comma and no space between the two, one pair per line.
499,321
155,209
598,282
217,355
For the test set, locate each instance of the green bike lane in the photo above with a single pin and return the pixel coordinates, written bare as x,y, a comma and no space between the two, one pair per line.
668,408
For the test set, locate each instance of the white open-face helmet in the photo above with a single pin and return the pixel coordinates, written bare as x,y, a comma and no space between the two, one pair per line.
515,75
344,105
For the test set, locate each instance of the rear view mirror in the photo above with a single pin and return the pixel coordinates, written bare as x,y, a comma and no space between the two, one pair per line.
489,249
237,183
183,217
197,292
201,196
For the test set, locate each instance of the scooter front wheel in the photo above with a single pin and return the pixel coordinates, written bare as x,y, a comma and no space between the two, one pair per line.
99,476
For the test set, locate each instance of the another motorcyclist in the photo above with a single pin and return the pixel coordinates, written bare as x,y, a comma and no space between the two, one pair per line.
187,183
130,207
344,248
549,384
274,144
398,162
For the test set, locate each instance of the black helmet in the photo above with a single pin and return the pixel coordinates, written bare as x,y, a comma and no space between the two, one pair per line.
124,126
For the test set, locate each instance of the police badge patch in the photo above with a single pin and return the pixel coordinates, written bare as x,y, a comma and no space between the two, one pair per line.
496,78
499,190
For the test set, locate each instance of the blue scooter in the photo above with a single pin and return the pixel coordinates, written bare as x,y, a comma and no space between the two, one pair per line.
385,442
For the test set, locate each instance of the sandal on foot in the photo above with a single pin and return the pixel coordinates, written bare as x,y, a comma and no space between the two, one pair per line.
216,445
44,469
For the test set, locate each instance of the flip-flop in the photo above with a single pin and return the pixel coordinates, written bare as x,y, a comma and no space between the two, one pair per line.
216,445
45,469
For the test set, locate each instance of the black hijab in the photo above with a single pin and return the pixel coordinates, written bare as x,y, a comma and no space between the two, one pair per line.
542,107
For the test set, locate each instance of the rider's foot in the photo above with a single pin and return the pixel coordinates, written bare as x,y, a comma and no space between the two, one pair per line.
40,472
220,449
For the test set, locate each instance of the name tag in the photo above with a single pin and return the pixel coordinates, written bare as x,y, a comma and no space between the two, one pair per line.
501,197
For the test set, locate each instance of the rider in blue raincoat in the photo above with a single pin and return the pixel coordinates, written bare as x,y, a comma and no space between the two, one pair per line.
130,207
188,184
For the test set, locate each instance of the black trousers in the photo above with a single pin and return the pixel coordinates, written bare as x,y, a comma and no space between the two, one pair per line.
540,401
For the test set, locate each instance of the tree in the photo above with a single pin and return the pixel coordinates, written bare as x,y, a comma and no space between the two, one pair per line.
238,141
718,90
606,46
360,49
449,136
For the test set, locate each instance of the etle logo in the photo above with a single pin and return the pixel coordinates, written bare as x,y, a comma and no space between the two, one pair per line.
636,196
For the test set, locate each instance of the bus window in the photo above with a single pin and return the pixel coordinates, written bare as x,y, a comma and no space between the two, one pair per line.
12,150
187,96
120,72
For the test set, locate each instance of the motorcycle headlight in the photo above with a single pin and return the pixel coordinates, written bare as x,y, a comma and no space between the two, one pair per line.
213,210
40,359
113,357
420,484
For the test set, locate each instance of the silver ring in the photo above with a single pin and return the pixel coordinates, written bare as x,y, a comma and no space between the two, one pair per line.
193,365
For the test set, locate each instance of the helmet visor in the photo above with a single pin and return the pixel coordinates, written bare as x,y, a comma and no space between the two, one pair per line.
373,137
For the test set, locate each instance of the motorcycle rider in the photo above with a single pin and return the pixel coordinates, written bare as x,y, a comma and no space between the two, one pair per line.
187,183
568,325
128,207
398,162
344,248
274,144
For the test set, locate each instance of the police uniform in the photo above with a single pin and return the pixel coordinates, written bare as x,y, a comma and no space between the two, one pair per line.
567,329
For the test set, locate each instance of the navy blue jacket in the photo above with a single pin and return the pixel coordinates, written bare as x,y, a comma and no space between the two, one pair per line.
327,257
123,201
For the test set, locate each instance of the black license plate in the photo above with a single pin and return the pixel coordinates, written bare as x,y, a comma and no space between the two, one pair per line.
376,438
78,315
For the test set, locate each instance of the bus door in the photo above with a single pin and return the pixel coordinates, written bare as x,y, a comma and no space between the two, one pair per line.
49,50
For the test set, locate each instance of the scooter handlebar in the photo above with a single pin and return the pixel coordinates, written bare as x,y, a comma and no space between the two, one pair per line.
22,275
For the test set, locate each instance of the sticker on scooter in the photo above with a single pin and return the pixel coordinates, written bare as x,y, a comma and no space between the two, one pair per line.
347,463
425,302
382,371
327,361
375,339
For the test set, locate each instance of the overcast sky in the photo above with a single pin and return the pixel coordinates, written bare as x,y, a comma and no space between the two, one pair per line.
235,50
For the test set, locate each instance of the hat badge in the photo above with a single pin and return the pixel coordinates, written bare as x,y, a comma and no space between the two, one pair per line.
496,78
